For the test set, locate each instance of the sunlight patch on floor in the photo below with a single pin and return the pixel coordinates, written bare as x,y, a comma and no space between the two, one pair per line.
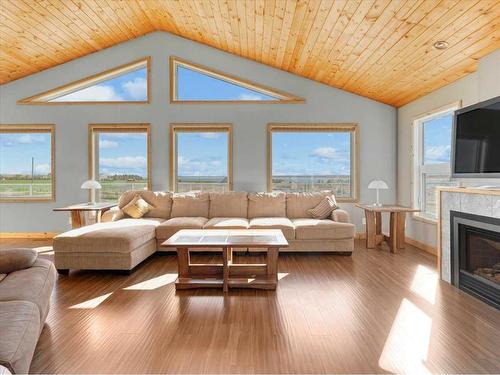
425,283
91,303
154,283
282,275
406,348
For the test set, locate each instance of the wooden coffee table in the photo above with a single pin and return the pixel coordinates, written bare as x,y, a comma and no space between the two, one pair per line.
228,274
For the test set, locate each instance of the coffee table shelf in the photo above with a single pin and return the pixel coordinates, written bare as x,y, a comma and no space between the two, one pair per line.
227,274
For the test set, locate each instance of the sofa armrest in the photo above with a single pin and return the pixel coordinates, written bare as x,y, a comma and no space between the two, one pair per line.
340,216
113,214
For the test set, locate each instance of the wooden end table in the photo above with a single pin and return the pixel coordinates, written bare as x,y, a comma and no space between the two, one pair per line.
228,274
374,236
77,209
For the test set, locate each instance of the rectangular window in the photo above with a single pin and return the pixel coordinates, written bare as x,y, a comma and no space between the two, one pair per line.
27,163
119,158
432,150
313,157
200,157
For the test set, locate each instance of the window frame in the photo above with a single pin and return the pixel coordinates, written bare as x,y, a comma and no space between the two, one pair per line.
35,128
117,128
45,97
418,168
199,128
285,98
352,128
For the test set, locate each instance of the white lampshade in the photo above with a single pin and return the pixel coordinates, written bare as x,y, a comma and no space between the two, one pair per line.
378,184
91,184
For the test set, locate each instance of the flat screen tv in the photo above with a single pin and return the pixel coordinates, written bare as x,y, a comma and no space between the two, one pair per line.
476,140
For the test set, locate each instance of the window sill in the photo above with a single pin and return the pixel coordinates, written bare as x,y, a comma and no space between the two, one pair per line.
424,219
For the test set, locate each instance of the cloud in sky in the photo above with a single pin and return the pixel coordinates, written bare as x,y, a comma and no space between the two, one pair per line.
136,88
438,154
125,162
198,167
42,169
105,144
325,153
30,139
248,96
92,93
211,135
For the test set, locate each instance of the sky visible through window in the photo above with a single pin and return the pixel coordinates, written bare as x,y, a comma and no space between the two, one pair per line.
193,85
122,154
202,154
131,86
437,139
18,149
311,153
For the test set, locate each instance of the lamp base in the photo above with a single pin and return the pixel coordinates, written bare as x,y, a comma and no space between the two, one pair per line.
377,204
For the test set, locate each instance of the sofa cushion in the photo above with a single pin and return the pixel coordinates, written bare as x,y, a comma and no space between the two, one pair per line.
170,227
120,236
314,229
33,284
228,204
227,223
160,200
297,204
190,205
266,205
20,328
282,223
16,259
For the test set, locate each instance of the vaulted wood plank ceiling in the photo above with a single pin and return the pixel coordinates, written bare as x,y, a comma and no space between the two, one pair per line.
382,49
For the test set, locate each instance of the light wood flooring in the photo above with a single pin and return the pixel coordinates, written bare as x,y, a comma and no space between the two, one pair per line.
374,312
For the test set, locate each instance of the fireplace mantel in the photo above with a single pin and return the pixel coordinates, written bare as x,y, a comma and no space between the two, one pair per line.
485,202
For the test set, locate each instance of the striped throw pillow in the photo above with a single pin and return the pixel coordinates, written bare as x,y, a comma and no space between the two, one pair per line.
324,208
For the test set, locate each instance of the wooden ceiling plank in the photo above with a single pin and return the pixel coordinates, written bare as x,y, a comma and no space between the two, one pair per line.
407,22
298,17
269,7
218,23
104,18
259,28
326,31
250,25
457,28
242,26
284,33
318,23
277,31
361,45
341,23
178,17
207,23
352,27
120,9
226,24
233,18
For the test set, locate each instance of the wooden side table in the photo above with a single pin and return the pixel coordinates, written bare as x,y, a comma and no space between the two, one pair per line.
77,209
374,236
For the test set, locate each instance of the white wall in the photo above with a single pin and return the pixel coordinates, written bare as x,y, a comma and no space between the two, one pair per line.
473,88
323,104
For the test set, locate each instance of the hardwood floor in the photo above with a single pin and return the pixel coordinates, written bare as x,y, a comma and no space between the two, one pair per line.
372,312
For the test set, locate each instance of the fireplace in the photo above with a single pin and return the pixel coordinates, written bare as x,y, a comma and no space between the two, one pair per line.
475,255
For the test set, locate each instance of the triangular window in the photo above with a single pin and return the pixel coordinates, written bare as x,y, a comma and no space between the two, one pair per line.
125,84
194,83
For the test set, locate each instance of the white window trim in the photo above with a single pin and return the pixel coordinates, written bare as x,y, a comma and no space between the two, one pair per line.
419,168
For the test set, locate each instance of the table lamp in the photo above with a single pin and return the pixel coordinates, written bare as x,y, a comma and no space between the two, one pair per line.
378,184
91,185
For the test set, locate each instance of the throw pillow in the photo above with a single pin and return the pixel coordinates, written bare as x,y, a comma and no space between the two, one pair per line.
324,208
16,259
137,207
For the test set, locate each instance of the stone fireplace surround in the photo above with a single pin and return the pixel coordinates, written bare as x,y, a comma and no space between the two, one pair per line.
476,201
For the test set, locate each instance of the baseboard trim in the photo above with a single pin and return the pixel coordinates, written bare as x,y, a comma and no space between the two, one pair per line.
422,246
28,235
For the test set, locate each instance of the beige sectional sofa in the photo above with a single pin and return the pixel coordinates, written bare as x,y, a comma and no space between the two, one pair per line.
122,243
24,305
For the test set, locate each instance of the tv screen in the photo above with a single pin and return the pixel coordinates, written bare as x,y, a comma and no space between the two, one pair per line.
477,140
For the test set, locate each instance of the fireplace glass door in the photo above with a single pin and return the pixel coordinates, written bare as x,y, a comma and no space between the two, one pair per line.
482,254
